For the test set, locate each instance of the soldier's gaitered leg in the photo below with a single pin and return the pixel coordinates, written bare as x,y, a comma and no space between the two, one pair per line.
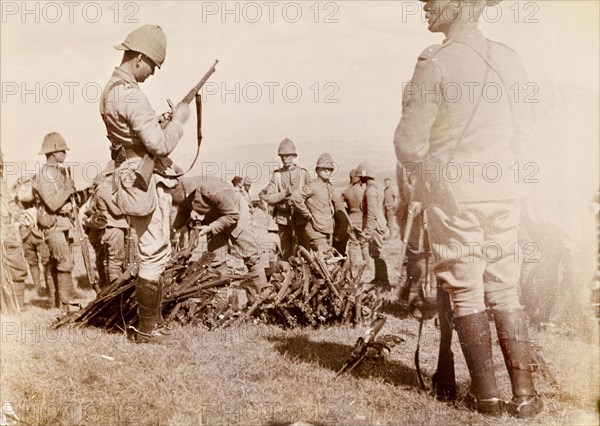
154,250
50,277
375,250
513,336
354,251
457,241
501,292
31,256
476,344
114,241
60,253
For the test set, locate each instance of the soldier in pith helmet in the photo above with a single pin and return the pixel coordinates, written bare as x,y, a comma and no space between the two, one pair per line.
466,214
288,178
134,131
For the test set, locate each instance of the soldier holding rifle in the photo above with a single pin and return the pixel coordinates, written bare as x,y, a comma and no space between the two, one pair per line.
466,213
53,189
134,132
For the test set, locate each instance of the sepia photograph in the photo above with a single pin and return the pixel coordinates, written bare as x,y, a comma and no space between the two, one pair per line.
307,213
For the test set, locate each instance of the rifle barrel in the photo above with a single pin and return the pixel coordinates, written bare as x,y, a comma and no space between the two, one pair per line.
192,93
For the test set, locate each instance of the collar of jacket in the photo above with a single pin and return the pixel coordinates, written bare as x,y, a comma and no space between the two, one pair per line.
121,74
465,34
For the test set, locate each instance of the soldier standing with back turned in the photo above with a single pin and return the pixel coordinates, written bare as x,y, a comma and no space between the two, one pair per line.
134,130
466,213
358,247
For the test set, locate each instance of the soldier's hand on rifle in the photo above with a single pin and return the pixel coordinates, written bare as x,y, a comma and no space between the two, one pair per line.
181,112
204,230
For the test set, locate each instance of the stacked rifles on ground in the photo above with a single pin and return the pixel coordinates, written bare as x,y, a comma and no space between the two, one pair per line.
309,290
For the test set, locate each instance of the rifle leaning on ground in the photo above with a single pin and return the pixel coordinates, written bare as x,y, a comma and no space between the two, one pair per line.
83,242
366,342
149,162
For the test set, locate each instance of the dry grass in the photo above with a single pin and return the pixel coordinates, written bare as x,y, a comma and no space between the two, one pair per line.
256,374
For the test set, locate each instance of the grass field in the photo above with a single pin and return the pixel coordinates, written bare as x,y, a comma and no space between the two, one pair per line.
258,375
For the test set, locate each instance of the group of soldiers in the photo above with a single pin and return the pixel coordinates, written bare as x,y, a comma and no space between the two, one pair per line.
434,131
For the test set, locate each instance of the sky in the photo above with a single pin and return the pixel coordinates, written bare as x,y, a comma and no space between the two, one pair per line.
328,75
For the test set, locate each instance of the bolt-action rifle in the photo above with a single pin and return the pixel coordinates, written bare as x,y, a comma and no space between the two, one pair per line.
149,161
362,346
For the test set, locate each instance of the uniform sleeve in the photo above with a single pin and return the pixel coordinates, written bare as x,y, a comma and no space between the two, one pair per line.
272,195
420,104
227,211
142,120
298,200
53,195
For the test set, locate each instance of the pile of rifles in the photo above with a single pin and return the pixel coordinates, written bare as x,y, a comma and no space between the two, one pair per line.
309,290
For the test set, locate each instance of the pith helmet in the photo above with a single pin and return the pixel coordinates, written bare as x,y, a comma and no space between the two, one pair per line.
365,169
287,147
247,181
149,40
325,161
53,142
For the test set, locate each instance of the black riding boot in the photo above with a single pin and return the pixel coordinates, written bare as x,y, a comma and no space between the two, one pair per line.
148,299
513,337
476,344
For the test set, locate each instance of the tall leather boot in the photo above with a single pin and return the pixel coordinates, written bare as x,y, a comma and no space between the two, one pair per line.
147,297
64,283
513,336
19,287
35,276
476,344
51,284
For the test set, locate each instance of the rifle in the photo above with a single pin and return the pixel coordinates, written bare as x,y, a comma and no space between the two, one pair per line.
414,208
362,346
83,243
149,162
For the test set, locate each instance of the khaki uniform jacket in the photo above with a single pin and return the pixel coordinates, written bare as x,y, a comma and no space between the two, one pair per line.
373,217
353,197
53,188
293,178
220,205
318,202
463,126
103,202
131,121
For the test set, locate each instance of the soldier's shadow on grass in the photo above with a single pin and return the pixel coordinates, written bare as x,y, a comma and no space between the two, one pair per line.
333,356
